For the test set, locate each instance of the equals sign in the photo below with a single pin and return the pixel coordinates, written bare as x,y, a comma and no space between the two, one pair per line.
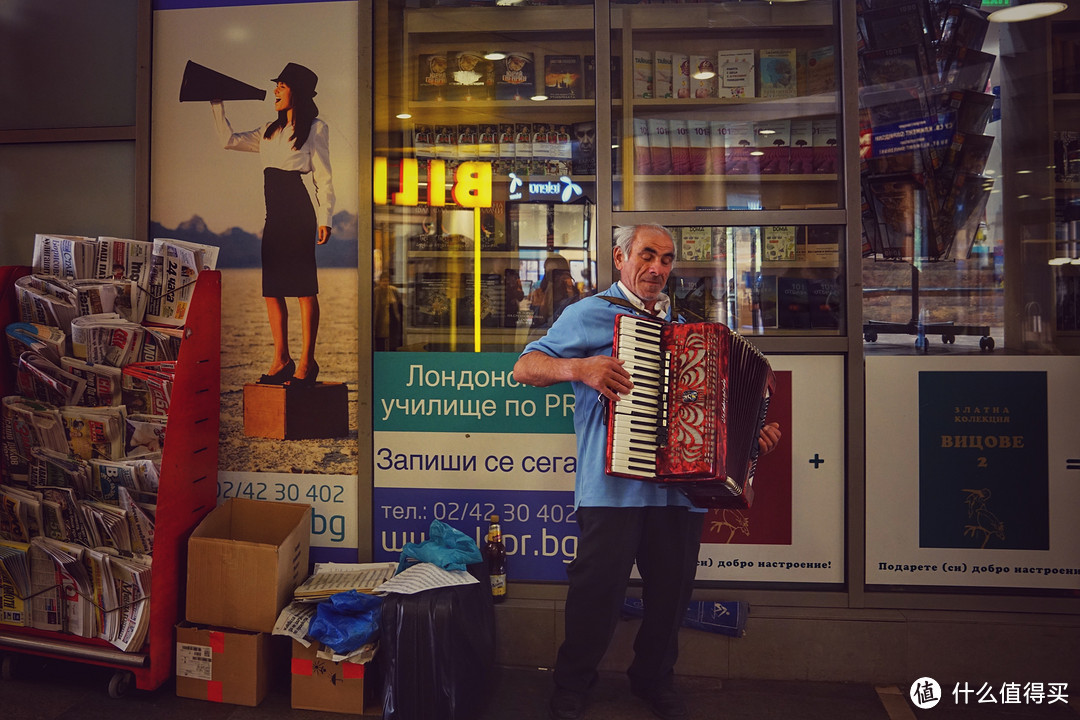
1072,463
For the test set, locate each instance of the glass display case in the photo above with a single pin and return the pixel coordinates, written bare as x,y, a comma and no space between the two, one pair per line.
491,151
726,106
1065,119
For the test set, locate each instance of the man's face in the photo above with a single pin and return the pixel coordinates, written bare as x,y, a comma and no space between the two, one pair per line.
586,137
646,268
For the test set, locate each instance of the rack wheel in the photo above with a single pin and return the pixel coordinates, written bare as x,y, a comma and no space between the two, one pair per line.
921,343
986,343
7,667
948,339
120,683
870,336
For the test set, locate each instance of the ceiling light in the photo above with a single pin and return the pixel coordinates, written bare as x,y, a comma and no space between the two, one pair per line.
1026,11
403,116
495,55
704,75
539,98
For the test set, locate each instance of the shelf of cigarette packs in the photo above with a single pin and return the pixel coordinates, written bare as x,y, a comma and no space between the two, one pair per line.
187,491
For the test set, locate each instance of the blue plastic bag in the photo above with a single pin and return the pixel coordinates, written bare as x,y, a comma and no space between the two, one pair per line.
446,547
346,621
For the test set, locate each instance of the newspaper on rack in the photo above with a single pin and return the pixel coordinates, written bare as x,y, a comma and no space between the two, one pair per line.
51,468
75,585
103,382
46,300
145,434
138,475
140,523
14,583
131,579
106,338
147,387
332,578
51,342
118,296
176,267
121,259
21,514
95,432
67,256
109,526
161,344
46,607
63,515
41,379
25,424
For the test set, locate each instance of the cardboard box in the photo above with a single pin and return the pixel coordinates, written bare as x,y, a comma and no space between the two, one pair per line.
222,665
322,684
244,561
296,413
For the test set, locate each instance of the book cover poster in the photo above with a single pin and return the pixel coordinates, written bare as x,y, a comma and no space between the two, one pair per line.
983,468
515,77
563,77
736,71
778,74
433,78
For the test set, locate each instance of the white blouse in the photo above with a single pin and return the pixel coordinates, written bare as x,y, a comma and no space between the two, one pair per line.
278,152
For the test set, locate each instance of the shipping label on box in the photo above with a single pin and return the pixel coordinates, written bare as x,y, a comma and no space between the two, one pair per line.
222,665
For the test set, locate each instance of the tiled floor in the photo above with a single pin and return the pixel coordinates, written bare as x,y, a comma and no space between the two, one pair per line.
47,690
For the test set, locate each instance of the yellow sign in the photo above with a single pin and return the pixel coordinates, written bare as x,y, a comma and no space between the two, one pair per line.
471,188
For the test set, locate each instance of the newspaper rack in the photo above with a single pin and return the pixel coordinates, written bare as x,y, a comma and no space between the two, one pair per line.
187,492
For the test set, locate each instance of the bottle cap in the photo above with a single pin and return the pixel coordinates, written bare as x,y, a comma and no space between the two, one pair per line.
494,518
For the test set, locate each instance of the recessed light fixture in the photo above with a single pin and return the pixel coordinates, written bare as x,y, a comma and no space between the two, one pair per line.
704,75
403,116
756,153
1024,10
496,55
539,98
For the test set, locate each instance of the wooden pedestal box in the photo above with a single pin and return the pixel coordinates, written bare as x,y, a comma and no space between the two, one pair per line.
296,413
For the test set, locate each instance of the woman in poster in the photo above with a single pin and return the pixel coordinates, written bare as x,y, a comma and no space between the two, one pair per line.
292,145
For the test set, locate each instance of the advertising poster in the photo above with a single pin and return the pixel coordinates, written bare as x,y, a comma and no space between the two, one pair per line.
221,177
457,439
971,473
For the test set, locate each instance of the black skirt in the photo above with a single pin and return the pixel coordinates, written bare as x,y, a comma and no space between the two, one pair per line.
289,236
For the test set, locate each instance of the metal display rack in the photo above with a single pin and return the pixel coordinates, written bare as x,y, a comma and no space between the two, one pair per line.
187,492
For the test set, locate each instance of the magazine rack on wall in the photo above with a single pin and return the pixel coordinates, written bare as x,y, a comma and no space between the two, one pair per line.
187,492
924,111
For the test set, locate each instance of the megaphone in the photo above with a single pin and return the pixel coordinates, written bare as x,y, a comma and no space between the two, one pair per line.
201,84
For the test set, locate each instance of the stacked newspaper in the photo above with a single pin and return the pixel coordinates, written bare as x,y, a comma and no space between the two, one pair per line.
331,579
138,475
106,338
24,425
46,301
146,434
66,256
147,387
31,337
51,468
41,379
103,382
14,583
95,432
176,267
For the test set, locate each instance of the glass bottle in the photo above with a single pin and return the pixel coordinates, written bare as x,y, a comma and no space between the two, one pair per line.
496,558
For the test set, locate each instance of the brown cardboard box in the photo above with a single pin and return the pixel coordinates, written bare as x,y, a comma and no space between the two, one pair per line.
296,413
244,561
322,684
222,665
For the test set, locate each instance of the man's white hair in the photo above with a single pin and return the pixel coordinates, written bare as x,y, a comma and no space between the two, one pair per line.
624,235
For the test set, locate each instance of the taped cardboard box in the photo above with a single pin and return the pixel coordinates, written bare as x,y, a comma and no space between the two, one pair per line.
319,683
245,559
222,665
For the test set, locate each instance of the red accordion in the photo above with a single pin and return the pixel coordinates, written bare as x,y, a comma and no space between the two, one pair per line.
693,418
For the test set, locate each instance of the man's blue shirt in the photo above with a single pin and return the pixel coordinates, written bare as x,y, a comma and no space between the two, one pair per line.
584,329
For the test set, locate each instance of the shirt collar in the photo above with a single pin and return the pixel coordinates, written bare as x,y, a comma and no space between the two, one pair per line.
663,303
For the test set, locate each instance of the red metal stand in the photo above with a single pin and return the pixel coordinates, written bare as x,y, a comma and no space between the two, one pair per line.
187,492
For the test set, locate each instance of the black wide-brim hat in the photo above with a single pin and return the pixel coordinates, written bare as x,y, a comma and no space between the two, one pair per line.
298,78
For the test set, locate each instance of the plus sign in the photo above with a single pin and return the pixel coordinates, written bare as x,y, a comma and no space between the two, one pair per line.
816,461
